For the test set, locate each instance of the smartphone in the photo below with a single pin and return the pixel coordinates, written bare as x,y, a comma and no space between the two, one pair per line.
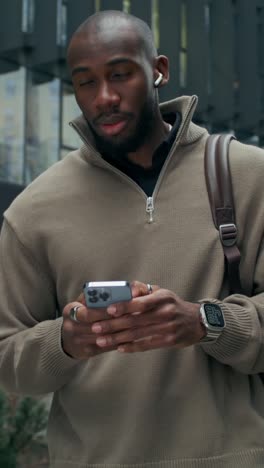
103,293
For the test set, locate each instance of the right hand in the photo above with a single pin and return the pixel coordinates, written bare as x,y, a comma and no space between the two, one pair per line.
78,341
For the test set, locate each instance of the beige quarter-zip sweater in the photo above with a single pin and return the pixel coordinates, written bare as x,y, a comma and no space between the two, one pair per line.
198,407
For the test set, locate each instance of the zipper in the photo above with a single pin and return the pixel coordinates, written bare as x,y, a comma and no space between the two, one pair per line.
149,200
150,209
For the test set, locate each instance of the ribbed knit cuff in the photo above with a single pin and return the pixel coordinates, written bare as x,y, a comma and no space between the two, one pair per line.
53,359
235,336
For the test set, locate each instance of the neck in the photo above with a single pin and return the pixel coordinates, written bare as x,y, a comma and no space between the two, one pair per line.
143,156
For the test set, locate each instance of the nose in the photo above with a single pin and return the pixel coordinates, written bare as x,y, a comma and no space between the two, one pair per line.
107,97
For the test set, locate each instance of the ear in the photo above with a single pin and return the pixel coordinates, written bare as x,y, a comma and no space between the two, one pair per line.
161,67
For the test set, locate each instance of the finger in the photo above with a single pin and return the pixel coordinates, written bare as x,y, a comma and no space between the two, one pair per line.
83,314
68,307
149,343
141,289
143,304
125,322
81,299
134,334
123,308
138,289
131,321
84,340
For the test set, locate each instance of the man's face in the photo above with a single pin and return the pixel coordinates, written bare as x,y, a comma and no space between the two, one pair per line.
113,84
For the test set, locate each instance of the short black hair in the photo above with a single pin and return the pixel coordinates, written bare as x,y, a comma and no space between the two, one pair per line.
144,33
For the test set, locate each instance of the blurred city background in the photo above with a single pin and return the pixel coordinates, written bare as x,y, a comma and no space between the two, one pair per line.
216,50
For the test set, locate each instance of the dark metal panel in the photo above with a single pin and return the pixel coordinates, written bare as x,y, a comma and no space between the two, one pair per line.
260,42
77,12
260,35
45,51
111,5
170,34
8,192
248,82
7,66
221,64
198,53
11,36
142,10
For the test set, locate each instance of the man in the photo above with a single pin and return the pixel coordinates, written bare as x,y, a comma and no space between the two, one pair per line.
131,204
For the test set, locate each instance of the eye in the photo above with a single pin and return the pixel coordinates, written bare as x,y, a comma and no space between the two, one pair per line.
87,83
119,76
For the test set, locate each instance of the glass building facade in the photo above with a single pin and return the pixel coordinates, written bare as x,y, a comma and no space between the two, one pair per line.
201,38
34,130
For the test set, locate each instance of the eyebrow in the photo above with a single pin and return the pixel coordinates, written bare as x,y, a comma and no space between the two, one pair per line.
79,70
112,62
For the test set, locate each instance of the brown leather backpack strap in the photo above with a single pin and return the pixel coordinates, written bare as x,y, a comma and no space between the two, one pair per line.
219,187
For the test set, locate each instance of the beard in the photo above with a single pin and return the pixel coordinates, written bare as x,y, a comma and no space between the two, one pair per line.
122,146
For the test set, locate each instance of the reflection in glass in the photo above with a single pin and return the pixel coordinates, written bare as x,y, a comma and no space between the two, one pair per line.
62,24
42,125
70,110
155,22
12,98
184,47
126,6
28,16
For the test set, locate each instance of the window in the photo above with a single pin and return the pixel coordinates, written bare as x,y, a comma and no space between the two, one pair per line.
42,124
12,125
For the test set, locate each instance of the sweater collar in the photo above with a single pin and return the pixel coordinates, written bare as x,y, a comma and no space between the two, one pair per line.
188,132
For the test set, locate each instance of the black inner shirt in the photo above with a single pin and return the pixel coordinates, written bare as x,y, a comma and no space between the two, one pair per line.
146,178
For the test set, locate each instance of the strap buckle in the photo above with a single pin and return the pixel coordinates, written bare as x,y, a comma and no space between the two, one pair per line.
228,234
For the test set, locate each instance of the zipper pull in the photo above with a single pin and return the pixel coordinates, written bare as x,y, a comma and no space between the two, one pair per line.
150,208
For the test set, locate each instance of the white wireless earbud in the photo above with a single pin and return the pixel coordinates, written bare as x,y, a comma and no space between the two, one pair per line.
158,80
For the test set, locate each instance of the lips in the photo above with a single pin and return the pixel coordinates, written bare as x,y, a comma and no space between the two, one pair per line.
112,124
113,128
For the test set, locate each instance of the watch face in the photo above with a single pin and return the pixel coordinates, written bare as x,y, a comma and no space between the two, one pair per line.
214,315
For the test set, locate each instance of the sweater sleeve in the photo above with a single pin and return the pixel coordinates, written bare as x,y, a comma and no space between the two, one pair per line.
32,360
241,344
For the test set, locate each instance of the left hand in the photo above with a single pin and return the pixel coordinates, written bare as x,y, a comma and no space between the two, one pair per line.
150,321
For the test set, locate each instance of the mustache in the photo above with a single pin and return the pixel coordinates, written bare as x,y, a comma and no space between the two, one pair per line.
112,117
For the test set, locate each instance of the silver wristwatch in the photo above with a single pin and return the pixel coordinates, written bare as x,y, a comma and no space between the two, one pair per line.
212,318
